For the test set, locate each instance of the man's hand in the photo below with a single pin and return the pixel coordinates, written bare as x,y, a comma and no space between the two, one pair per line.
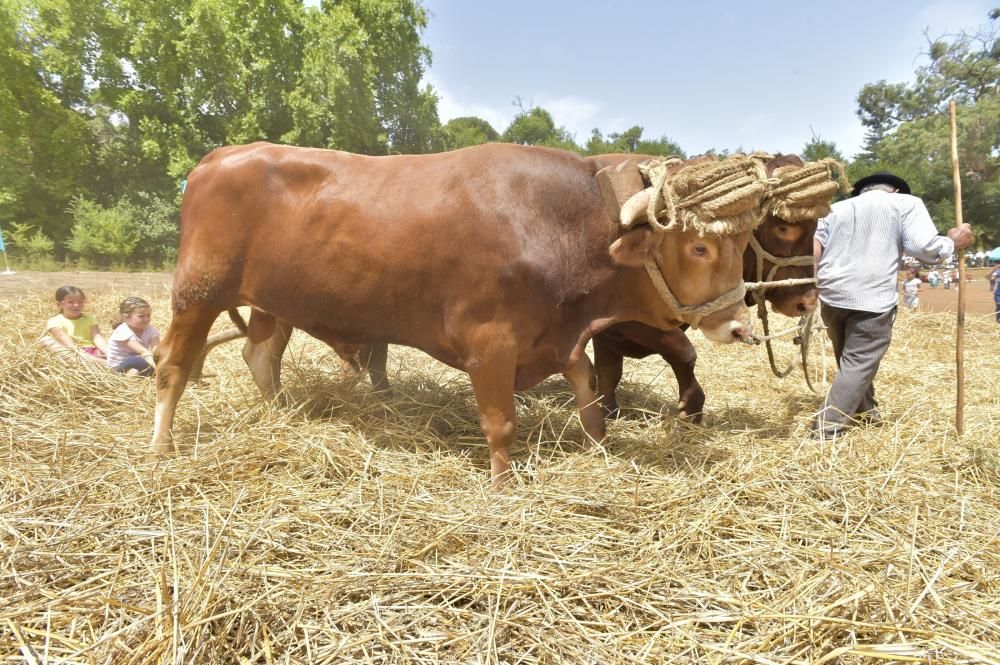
961,236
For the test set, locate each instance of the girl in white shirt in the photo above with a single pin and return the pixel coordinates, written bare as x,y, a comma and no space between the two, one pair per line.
130,347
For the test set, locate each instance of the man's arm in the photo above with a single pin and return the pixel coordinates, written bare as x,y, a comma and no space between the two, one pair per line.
921,239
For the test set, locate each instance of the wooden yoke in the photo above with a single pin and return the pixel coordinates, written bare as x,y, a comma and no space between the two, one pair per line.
618,183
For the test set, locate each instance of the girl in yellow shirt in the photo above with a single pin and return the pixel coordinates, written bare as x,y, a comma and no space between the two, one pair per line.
72,329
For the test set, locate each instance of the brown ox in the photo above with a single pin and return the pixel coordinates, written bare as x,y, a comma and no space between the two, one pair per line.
630,339
499,260
638,340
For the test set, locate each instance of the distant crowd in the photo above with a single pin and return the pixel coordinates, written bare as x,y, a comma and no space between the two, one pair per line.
912,282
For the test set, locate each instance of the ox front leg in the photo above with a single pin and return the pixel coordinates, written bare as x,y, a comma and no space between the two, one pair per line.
584,383
492,380
266,341
681,356
174,357
610,364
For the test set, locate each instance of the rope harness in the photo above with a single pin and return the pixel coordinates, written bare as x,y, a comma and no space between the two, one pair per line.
692,314
712,198
803,193
726,197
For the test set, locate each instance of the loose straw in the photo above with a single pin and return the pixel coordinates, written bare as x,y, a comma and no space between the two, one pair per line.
960,333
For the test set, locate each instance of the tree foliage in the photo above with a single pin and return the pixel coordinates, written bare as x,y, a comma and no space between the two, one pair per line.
631,140
116,100
909,128
469,130
535,126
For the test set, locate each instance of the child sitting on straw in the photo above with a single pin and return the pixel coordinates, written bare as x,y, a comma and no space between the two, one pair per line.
130,347
73,331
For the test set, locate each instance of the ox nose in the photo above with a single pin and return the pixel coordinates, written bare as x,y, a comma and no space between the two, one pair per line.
806,302
741,330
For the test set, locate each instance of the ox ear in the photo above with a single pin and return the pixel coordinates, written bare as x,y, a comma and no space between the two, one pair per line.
634,246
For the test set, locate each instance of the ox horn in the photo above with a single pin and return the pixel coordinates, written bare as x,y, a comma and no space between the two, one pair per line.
635,207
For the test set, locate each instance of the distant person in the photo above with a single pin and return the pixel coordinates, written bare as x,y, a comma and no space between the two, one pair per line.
933,278
73,331
995,285
131,345
947,279
911,290
858,249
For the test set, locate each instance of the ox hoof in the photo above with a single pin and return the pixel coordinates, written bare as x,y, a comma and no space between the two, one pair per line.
612,410
688,415
692,418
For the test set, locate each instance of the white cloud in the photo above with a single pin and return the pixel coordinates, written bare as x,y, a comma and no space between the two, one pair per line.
576,114
450,106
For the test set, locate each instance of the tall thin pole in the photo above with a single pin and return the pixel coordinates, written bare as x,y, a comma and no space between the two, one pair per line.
960,333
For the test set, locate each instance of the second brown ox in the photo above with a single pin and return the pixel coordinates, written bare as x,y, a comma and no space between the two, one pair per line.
498,260
785,232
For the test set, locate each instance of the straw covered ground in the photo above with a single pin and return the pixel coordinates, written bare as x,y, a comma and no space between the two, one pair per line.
337,528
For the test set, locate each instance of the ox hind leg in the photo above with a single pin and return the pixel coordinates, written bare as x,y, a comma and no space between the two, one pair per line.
174,358
581,378
358,358
267,338
374,358
609,363
215,340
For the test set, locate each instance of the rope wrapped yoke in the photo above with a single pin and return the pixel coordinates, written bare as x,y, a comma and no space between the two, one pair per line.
732,196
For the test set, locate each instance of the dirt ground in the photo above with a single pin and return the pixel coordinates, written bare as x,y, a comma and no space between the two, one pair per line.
979,300
141,283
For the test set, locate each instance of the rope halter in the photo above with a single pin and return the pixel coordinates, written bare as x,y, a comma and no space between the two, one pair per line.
710,197
799,193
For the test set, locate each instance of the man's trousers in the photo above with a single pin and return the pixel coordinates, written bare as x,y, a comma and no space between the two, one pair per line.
860,340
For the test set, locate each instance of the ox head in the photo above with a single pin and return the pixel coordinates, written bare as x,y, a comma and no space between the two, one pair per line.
782,246
695,258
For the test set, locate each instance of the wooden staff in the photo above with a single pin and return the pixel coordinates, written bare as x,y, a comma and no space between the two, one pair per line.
960,334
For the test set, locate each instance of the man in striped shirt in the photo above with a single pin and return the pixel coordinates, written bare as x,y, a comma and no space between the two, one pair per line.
858,249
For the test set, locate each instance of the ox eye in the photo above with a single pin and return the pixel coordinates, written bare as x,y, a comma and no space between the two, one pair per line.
699,250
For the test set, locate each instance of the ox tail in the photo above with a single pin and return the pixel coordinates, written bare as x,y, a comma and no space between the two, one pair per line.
237,319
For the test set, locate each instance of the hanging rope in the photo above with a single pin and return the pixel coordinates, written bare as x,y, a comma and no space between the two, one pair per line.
802,193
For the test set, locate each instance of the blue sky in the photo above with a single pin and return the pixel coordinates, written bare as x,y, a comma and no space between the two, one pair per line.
753,75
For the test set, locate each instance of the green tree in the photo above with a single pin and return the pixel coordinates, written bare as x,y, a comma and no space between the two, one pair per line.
631,141
817,149
45,146
909,128
103,235
116,100
536,127
469,130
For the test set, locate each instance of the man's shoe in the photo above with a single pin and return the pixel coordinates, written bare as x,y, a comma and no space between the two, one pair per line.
870,418
827,433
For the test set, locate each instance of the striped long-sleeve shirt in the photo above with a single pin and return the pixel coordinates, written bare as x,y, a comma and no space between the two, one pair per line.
864,239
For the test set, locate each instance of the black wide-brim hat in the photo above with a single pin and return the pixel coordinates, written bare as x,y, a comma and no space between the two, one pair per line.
881,178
